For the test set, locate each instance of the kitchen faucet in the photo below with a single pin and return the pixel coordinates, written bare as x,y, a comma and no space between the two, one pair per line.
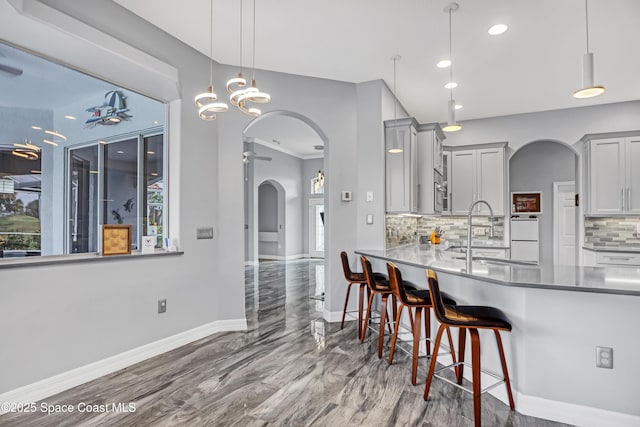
470,226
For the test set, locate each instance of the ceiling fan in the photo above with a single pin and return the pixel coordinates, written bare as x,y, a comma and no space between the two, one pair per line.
8,70
246,158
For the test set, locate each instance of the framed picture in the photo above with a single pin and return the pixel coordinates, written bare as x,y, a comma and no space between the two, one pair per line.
526,202
116,239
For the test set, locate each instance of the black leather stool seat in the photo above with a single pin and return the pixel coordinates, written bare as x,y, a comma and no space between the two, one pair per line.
476,316
422,297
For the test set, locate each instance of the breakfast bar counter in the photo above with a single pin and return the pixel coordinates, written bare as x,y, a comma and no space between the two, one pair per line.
440,258
560,314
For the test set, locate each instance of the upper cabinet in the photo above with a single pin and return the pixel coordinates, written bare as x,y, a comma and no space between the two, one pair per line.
613,179
412,152
477,174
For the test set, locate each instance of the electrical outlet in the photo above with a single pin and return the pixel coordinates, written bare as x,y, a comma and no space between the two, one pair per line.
162,306
604,357
369,196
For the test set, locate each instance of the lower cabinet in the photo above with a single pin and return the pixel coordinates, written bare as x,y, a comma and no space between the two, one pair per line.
611,259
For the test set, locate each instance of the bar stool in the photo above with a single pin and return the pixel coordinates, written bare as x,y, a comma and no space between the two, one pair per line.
382,288
418,299
469,317
359,279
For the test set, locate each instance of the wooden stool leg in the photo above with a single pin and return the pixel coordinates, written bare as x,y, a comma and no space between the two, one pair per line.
427,329
452,350
462,336
475,370
410,318
416,346
432,365
346,303
395,334
505,372
366,317
383,320
360,307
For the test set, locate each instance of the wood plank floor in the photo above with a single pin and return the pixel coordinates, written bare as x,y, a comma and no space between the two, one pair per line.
290,368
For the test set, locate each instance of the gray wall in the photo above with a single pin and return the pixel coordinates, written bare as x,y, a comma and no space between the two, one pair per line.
535,167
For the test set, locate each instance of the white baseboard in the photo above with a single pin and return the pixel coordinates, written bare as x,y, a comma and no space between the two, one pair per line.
49,386
332,316
579,415
283,258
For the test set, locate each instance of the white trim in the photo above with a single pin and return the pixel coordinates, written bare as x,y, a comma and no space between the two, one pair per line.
330,316
75,377
570,413
282,258
93,51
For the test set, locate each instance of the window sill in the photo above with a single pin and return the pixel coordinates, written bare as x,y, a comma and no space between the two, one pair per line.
77,258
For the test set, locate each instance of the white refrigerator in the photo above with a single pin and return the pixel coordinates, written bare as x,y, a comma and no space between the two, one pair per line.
525,245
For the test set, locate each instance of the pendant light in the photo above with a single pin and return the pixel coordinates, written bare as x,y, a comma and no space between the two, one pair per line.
253,94
451,126
207,101
396,148
235,86
589,89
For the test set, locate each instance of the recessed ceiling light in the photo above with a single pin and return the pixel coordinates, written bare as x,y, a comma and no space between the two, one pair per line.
444,63
35,171
70,117
154,173
102,142
36,128
155,122
498,29
48,141
94,172
458,106
151,152
451,85
54,133
119,152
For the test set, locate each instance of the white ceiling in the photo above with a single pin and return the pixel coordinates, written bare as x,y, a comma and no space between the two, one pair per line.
535,66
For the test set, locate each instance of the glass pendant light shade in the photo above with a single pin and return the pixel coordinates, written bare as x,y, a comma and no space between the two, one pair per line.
395,148
589,89
451,126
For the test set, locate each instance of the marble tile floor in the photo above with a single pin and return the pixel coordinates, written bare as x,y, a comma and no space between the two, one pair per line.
290,368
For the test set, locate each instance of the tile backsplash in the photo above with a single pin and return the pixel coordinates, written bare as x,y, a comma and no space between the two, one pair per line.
611,231
401,230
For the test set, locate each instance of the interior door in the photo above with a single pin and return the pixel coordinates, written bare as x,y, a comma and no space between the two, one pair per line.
564,223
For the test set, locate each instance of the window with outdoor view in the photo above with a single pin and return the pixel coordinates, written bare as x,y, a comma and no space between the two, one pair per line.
76,152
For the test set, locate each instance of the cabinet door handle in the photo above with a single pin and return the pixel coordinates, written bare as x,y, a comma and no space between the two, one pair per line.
618,258
622,198
628,198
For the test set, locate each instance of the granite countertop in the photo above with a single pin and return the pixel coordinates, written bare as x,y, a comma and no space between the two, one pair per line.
610,280
627,249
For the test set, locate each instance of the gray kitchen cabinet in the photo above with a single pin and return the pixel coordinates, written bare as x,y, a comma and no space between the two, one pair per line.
613,178
477,173
413,185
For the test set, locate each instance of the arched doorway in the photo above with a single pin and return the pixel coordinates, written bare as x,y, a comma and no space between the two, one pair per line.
287,148
552,168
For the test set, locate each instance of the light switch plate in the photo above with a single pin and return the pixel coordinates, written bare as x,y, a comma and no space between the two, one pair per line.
346,196
369,218
204,233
